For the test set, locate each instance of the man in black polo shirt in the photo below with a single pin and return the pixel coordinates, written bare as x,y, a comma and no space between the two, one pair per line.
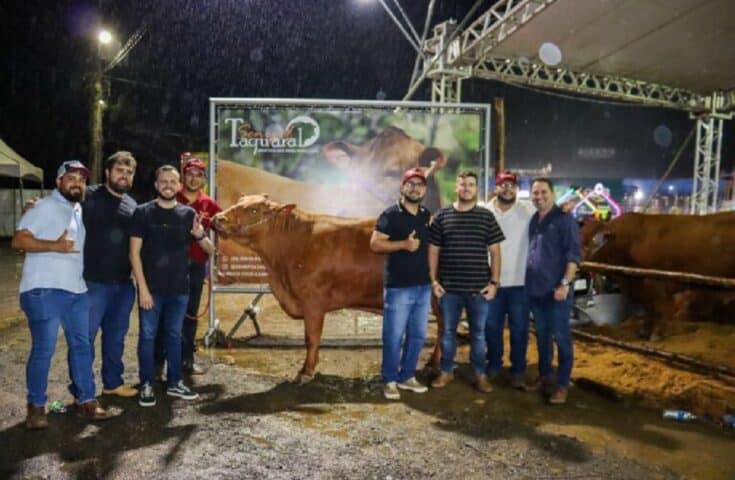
461,237
107,211
402,231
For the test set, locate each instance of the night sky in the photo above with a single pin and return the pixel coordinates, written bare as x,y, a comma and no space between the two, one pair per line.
340,49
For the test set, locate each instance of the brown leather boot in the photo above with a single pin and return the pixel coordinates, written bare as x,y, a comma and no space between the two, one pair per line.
442,380
93,411
36,419
559,397
543,385
482,384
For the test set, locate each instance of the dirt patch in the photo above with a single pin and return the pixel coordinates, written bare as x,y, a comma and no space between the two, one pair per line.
251,421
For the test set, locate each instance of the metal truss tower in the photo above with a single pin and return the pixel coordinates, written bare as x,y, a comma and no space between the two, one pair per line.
706,165
454,53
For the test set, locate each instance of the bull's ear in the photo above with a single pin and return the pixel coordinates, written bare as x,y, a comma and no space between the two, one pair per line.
433,158
339,153
286,209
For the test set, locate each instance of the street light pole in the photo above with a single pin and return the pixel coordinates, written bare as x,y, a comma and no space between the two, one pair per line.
97,105
95,127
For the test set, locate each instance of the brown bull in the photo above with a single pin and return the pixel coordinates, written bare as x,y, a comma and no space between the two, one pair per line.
685,243
317,263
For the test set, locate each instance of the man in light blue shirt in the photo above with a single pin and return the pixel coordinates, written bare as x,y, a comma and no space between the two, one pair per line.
53,293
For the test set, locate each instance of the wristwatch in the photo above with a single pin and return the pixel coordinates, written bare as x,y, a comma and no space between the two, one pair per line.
564,282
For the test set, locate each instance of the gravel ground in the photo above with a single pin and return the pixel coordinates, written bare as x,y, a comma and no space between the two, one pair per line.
248,424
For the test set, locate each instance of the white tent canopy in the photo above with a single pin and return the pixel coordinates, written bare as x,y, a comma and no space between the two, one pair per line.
13,165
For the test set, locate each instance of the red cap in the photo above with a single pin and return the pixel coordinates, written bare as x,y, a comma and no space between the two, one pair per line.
506,176
195,164
411,173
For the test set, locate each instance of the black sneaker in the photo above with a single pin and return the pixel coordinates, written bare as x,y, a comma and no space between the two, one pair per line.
147,397
182,391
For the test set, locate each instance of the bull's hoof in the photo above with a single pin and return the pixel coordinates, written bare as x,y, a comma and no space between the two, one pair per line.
655,337
430,371
303,379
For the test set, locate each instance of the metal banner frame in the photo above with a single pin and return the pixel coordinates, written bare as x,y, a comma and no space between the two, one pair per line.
214,103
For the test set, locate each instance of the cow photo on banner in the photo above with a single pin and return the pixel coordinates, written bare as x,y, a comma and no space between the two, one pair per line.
336,158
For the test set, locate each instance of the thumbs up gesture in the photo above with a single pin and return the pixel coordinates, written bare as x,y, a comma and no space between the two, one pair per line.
412,243
63,244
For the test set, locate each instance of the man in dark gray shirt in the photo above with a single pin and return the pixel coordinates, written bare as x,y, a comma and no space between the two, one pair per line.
461,237
107,212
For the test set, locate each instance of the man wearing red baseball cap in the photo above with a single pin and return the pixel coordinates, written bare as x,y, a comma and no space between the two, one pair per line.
511,299
402,232
192,194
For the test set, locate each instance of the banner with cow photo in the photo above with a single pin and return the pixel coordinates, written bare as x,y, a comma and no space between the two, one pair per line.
337,158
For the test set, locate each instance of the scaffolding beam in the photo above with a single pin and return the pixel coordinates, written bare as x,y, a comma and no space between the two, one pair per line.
492,27
522,71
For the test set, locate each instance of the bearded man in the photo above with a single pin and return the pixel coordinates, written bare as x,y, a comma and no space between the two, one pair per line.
53,293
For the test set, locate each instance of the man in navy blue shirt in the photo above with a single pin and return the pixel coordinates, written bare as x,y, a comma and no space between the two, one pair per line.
402,231
553,256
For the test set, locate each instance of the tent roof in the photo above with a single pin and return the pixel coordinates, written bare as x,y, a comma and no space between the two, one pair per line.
13,165
680,43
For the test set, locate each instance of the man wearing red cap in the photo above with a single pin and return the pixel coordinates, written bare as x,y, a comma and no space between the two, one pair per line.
192,195
402,231
513,217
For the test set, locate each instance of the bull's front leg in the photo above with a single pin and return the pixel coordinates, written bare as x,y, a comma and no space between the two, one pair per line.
313,324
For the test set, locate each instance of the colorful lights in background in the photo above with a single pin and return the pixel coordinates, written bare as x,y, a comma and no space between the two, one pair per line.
585,202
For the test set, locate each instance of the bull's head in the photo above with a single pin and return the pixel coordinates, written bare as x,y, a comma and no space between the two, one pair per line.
594,236
247,214
387,155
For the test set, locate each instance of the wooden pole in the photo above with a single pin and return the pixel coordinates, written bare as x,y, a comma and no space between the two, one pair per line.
660,274
499,109
668,356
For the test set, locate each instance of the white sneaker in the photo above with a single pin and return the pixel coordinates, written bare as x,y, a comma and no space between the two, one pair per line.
414,385
390,391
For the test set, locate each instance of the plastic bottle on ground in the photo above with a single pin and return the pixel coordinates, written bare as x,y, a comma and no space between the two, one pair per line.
680,415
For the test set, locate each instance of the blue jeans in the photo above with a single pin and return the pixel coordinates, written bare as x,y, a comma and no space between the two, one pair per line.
552,326
405,316
513,302
451,304
46,309
109,310
197,274
167,313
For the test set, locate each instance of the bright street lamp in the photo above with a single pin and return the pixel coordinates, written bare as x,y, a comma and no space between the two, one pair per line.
104,37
